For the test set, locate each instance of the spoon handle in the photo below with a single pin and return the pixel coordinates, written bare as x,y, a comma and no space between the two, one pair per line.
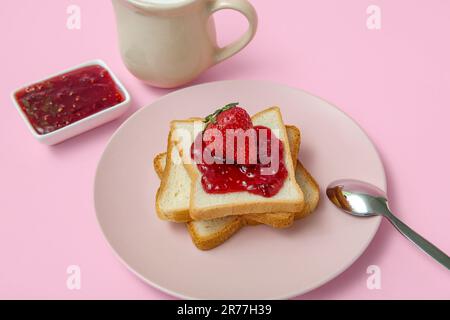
421,242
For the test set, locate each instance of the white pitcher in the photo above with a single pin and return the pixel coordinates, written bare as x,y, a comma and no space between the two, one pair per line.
168,43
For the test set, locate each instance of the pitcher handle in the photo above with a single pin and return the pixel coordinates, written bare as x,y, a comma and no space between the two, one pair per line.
244,7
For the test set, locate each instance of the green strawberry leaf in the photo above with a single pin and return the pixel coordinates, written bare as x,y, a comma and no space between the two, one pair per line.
212,118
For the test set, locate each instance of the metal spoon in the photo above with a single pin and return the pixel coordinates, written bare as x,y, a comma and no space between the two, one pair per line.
364,200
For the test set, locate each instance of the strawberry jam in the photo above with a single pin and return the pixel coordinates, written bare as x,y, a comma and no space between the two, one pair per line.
262,178
65,99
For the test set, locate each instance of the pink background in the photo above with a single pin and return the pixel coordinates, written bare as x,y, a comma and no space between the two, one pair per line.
395,82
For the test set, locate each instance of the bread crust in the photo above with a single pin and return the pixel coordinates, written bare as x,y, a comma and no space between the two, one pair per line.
217,238
314,199
179,215
278,220
159,163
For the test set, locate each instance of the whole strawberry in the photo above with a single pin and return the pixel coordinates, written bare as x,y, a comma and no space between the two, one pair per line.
234,120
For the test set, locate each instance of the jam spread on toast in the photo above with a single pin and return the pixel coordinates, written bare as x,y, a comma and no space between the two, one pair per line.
253,167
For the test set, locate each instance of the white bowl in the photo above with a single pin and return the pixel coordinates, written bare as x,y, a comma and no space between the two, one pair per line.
82,125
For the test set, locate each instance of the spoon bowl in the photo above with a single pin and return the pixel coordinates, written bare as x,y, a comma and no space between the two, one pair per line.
357,198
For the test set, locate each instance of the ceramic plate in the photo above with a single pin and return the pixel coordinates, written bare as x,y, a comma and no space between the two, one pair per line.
257,262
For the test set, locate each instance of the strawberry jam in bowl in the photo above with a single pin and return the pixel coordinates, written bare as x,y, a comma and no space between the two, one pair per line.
233,155
71,102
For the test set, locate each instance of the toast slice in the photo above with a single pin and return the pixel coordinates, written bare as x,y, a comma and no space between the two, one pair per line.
208,234
205,206
173,196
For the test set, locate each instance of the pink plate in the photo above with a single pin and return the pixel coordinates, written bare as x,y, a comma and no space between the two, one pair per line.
257,262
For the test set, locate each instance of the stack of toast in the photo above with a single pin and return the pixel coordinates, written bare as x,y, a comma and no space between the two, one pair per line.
212,218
